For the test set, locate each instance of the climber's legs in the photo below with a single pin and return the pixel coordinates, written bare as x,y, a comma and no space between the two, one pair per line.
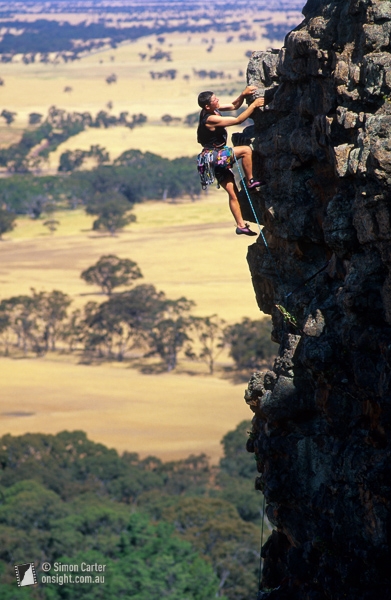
246,154
229,184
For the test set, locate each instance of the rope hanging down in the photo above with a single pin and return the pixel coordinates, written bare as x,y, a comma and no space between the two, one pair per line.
260,552
258,223
280,308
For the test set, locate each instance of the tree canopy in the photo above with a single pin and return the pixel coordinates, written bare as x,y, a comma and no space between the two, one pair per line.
110,272
250,342
161,529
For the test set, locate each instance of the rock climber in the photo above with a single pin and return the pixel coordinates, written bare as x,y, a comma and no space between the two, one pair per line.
212,135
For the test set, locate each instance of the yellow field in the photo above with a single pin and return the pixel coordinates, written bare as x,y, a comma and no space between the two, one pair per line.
168,141
170,416
35,87
189,249
185,249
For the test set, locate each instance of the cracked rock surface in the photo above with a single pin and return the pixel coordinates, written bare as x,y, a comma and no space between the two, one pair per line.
322,417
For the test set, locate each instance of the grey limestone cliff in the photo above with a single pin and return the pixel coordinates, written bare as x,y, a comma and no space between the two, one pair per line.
322,416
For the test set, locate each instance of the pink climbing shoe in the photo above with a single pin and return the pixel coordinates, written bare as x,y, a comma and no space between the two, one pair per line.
253,184
245,230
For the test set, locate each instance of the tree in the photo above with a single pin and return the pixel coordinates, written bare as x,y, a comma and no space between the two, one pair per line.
167,338
113,212
8,116
71,160
192,119
110,272
144,561
104,328
216,531
139,119
169,333
72,330
125,321
51,224
237,474
209,333
22,320
100,153
167,119
250,343
51,310
111,78
35,118
4,328
7,221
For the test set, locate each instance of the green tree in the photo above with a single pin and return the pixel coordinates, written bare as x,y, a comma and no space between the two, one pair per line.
7,221
104,329
110,272
51,310
216,531
51,224
100,153
237,474
209,334
236,460
170,332
35,118
192,119
148,562
250,343
35,320
8,116
71,160
20,311
72,330
113,212
167,119
5,328
124,321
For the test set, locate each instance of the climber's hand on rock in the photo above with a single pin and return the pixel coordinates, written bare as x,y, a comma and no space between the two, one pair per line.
250,89
258,102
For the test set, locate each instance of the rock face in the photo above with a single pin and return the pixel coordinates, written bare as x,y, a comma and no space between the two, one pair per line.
322,417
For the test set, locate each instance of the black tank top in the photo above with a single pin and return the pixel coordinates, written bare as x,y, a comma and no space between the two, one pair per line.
206,137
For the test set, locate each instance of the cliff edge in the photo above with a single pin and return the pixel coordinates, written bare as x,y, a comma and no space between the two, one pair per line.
322,416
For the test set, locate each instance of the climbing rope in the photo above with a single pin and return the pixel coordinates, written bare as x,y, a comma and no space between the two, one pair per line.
260,552
258,223
286,315
309,279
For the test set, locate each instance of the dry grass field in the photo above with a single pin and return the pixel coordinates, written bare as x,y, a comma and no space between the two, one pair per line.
169,415
35,87
187,248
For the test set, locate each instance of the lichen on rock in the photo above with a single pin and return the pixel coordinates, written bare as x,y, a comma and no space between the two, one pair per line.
322,417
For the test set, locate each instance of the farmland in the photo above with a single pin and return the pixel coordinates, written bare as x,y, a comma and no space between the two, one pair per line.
184,248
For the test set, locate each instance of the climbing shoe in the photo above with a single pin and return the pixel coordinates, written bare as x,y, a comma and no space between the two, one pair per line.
245,230
253,184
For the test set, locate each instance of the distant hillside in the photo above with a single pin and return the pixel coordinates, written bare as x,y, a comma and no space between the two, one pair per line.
27,29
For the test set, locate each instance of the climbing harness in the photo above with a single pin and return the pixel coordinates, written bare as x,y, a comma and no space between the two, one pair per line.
209,162
205,168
